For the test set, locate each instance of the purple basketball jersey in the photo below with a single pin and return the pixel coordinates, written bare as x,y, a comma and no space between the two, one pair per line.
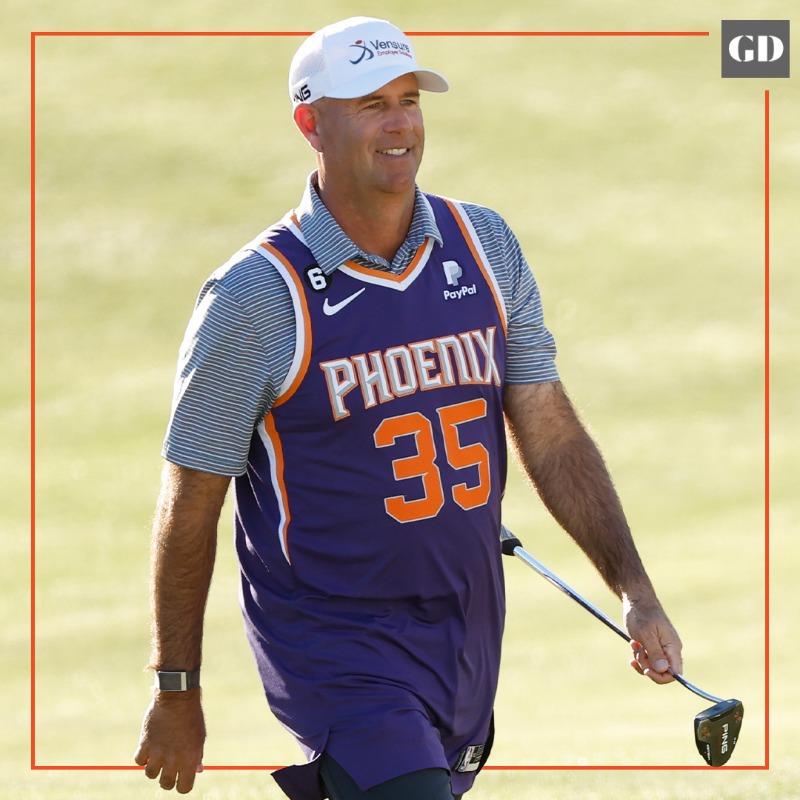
368,519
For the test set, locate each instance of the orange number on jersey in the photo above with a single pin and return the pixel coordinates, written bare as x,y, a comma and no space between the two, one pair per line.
473,455
423,463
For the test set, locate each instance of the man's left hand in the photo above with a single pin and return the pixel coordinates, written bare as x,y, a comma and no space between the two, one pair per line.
655,642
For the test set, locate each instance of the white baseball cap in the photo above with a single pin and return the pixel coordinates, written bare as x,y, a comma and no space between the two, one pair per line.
353,58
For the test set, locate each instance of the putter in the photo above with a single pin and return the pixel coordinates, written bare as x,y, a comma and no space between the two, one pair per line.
716,729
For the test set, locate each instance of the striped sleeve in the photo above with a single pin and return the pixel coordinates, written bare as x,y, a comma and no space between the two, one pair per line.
531,346
231,363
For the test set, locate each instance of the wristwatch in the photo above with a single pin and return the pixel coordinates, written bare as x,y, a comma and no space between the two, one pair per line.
179,681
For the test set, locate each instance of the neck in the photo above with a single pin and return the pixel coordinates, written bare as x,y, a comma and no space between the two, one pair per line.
376,227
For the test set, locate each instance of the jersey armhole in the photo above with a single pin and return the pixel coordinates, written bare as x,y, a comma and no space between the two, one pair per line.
302,350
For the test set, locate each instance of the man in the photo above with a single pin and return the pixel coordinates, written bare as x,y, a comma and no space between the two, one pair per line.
353,368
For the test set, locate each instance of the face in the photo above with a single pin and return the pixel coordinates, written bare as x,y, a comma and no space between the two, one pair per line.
372,144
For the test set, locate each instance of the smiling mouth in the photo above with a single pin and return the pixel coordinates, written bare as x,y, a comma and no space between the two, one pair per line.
396,151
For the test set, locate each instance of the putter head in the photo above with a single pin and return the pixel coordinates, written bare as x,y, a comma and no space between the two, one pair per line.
716,730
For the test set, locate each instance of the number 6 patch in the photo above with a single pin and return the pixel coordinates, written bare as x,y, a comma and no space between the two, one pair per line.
316,279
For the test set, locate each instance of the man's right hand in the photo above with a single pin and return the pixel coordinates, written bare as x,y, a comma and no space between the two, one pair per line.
172,738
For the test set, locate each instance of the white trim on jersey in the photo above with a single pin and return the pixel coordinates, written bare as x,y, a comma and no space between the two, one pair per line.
299,318
387,279
482,253
290,221
276,479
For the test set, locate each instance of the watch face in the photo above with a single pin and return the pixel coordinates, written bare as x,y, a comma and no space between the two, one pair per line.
172,681
177,681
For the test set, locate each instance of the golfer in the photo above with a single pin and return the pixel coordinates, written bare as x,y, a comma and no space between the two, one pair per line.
353,369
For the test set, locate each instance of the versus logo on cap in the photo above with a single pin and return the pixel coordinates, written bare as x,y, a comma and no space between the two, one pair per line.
368,50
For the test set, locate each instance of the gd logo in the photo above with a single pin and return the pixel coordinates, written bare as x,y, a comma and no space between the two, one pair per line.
755,48
744,52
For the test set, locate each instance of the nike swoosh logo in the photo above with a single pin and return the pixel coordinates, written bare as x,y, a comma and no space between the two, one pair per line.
334,308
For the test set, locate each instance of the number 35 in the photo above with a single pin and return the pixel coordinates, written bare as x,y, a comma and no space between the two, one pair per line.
423,463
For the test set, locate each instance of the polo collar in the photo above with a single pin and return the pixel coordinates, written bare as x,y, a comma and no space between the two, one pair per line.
331,247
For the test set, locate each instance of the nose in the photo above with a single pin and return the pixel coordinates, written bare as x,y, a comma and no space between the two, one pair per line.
399,119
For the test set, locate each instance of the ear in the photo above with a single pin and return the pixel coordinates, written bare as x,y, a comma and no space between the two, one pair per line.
306,117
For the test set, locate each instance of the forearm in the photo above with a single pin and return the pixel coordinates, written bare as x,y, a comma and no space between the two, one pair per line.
183,549
570,476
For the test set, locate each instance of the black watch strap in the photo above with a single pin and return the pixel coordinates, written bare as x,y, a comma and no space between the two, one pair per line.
178,681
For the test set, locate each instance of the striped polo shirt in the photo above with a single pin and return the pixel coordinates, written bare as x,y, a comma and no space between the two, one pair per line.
240,341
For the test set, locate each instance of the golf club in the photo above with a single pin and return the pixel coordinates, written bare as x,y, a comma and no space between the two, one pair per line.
716,729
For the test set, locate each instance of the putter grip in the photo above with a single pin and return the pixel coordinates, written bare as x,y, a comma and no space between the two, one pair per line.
508,541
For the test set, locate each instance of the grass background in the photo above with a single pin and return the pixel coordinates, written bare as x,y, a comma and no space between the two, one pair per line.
632,174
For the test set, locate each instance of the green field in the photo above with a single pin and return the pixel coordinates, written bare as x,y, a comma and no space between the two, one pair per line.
633,176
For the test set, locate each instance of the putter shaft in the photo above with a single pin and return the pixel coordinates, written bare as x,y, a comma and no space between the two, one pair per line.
513,546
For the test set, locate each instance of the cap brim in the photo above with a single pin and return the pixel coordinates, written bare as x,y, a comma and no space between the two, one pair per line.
429,81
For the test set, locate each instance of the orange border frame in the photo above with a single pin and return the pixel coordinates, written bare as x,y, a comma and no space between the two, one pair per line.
36,34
